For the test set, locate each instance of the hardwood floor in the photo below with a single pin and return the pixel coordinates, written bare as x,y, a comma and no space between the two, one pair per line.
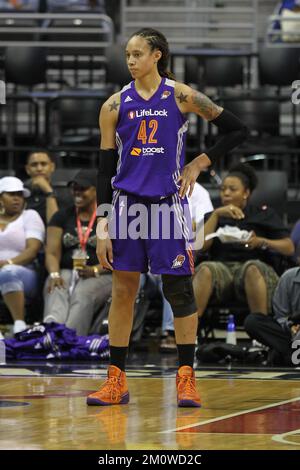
40,411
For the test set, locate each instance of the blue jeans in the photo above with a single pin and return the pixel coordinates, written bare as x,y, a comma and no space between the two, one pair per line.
18,278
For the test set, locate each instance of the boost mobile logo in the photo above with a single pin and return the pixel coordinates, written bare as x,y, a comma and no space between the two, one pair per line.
152,150
136,151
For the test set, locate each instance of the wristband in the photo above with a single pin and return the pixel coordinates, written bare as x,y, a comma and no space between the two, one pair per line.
55,275
50,194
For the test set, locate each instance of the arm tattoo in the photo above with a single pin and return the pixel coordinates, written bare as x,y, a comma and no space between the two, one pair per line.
182,98
114,106
205,107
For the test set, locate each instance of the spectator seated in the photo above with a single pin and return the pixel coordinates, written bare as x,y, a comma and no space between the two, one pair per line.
22,234
77,287
243,269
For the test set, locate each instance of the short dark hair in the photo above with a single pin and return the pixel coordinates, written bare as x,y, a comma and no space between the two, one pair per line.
246,174
40,150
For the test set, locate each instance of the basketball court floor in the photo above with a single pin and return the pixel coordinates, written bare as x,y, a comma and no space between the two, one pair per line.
42,406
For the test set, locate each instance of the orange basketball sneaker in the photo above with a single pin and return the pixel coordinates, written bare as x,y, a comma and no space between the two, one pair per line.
187,394
114,391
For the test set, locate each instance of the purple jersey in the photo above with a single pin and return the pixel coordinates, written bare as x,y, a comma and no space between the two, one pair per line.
55,341
150,136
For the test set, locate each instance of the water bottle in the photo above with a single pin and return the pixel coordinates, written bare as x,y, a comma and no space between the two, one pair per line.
104,328
2,350
231,334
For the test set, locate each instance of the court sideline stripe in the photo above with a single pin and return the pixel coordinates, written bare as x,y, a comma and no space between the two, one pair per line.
232,415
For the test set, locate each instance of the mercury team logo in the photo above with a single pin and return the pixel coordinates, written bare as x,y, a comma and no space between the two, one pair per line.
131,114
178,261
165,94
136,152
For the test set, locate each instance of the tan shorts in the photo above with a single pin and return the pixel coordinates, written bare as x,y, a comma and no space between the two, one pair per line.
228,279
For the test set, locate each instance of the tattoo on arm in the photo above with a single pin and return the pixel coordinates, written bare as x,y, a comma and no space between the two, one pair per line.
182,98
114,106
205,107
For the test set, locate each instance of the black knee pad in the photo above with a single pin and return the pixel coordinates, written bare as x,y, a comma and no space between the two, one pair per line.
178,290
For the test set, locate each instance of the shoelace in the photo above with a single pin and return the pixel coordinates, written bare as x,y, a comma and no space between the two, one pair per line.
112,386
187,385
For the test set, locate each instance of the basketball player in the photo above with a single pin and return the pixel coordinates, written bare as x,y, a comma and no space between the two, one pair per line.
143,129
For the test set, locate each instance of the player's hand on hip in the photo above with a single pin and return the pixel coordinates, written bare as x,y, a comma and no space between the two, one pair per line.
105,253
190,173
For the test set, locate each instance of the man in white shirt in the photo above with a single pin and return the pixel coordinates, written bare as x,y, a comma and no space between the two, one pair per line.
200,204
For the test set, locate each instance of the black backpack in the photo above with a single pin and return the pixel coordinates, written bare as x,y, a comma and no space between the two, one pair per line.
219,352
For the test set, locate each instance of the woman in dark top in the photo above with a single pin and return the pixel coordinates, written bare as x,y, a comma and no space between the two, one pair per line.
241,269
77,286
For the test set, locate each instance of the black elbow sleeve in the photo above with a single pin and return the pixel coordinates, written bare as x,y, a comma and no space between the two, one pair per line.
234,133
227,122
108,160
